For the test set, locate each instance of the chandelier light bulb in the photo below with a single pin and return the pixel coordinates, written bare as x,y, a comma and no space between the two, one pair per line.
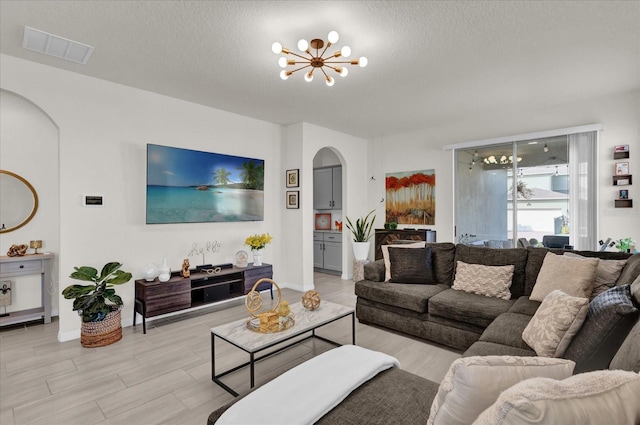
546,148
333,37
330,81
284,74
276,48
363,62
308,77
343,71
282,62
346,51
303,45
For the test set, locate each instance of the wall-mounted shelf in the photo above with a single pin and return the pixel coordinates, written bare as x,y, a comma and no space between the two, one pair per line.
622,180
621,155
624,203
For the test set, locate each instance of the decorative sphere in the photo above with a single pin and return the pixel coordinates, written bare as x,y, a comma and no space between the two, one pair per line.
311,300
150,272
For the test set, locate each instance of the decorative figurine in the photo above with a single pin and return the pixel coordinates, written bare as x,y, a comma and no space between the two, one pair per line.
17,250
185,272
311,300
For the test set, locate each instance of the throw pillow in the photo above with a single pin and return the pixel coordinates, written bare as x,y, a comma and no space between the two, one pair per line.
601,397
490,281
610,317
555,323
472,384
554,274
607,273
387,261
411,265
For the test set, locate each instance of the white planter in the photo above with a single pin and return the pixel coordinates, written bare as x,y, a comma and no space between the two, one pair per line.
361,250
257,257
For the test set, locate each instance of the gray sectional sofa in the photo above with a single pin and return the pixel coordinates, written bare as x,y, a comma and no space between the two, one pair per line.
474,324
462,320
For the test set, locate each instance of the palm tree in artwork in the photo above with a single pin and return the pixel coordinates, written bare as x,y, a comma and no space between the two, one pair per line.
221,176
252,175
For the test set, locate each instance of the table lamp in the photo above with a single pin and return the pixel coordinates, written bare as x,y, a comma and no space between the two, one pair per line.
35,245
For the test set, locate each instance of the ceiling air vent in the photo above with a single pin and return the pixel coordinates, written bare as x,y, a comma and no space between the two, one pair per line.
53,45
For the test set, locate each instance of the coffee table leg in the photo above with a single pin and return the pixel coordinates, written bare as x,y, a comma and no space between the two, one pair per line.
251,366
353,328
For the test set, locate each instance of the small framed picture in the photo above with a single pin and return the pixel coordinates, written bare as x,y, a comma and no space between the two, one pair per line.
293,199
624,194
621,148
293,178
622,168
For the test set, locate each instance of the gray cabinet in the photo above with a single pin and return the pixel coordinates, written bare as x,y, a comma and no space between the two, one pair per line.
327,188
327,251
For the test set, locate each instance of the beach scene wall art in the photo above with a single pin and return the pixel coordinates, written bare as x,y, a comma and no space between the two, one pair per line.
410,197
189,186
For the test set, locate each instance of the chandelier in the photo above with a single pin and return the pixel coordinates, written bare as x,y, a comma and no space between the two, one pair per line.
503,160
315,58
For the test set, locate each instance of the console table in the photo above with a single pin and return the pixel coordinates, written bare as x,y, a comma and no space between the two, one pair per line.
26,265
155,298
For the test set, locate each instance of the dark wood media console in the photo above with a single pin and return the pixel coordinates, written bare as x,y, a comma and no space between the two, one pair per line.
179,293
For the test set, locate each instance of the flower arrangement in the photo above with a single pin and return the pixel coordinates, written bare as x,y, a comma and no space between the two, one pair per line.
258,241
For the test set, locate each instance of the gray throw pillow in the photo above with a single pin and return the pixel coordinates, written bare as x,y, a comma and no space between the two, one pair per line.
610,317
411,265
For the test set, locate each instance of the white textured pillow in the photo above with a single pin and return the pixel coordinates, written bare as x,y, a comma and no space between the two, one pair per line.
574,276
594,398
607,273
555,323
472,384
387,261
490,281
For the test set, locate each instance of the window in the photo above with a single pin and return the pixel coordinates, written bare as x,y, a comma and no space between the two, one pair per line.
531,191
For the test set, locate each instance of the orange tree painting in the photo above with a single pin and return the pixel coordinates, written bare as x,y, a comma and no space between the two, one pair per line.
411,197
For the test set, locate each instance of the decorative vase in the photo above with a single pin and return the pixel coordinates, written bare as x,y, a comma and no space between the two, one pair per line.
257,257
164,272
361,250
150,272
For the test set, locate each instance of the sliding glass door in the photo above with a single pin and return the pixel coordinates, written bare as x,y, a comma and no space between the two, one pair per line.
514,194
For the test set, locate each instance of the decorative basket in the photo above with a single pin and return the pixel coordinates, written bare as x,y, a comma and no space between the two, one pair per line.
104,332
268,321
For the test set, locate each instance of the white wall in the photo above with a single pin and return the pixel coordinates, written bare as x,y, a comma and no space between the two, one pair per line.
104,129
620,115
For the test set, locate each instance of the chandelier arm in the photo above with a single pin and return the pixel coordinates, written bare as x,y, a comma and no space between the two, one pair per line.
302,67
349,62
300,56
325,74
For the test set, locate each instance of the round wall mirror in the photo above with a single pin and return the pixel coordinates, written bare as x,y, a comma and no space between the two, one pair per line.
18,201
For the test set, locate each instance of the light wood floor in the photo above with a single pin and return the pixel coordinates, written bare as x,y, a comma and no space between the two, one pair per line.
164,377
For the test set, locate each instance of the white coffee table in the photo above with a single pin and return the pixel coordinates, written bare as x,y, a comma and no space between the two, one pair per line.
237,334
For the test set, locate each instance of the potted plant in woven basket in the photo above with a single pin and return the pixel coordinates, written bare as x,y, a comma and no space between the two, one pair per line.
101,321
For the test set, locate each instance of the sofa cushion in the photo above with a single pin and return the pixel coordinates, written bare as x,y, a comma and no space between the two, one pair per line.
374,271
490,281
507,330
524,305
610,317
535,258
631,271
628,355
497,257
411,266
484,348
601,397
472,384
555,323
443,260
607,274
554,275
387,258
404,295
465,307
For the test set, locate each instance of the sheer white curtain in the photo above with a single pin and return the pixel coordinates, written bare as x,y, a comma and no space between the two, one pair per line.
583,206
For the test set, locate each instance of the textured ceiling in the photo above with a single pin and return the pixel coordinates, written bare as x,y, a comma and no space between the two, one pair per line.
430,63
